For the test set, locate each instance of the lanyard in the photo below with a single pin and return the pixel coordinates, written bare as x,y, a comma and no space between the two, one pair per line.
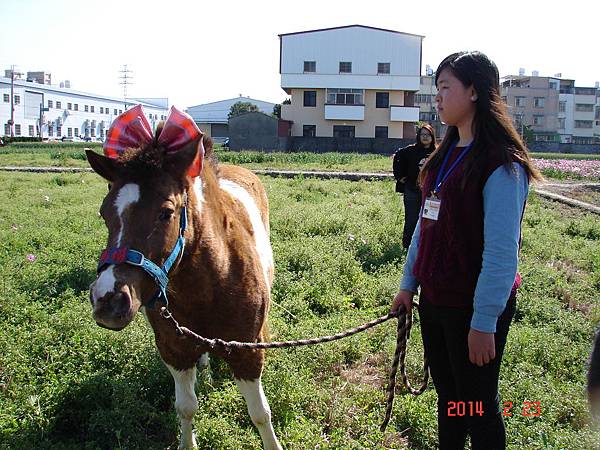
441,176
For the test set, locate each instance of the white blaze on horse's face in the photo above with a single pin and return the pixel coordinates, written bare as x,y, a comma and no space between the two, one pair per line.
128,195
105,287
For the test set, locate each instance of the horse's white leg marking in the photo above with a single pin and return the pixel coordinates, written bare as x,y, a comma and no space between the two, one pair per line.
263,246
259,411
203,363
128,194
186,403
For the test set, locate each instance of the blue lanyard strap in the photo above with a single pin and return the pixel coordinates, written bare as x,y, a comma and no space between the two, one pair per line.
441,176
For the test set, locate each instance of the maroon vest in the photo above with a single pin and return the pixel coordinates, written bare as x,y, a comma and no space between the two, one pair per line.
451,248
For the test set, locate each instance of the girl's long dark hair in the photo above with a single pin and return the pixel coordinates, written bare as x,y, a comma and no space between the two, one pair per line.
493,131
429,128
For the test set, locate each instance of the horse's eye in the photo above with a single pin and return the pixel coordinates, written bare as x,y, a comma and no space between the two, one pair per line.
166,214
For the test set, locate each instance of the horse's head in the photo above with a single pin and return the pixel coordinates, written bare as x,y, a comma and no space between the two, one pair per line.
142,212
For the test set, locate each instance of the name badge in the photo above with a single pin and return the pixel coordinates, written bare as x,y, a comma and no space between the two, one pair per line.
431,209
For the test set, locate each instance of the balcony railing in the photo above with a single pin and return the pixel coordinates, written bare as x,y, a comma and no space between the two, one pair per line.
404,113
344,112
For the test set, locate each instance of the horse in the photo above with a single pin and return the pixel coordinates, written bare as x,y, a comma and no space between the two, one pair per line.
216,220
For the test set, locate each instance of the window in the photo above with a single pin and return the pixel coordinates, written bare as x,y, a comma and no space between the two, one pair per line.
538,120
344,96
597,115
58,131
30,130
50,103
58,105
69,106
102,133
520,101
6,98
553,85
561,123
309,130
120,111
102,110
345,67
539,102
85,108
562,106
92,108
584,123
310,66
424,98
343,131
310,98
381,132
382,99
93,131
69,132
6,129
115,111
50,130
76,131
76,106
584,107
17,99
17,129
383,67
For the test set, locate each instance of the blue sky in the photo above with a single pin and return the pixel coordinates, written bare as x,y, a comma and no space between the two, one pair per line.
197,51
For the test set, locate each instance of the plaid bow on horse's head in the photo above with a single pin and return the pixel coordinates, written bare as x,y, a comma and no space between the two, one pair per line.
131,130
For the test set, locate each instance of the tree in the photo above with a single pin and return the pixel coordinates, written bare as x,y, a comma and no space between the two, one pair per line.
277,110
241,108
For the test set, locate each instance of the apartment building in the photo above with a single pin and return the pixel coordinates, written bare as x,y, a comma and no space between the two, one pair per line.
62,111
553,108
351,81
425,101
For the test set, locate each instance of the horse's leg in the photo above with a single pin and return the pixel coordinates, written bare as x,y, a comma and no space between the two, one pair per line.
247,367
186,403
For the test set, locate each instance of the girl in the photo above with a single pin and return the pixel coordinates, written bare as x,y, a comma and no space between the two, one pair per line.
407,164
465,247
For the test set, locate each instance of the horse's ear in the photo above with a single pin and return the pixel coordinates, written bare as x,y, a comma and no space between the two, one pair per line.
187,160
107,168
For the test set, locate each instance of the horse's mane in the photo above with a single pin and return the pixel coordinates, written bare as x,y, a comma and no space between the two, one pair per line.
150,159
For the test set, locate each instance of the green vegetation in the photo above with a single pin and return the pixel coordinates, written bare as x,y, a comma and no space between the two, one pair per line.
65,383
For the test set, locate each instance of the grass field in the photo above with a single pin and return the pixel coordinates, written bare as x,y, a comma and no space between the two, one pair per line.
67,384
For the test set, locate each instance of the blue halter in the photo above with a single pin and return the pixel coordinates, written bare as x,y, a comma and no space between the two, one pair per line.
121,255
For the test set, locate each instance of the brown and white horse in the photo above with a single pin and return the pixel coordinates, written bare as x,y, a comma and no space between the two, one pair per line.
219,287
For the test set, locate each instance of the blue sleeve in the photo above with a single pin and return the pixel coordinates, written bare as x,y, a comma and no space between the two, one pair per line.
504,196
409,282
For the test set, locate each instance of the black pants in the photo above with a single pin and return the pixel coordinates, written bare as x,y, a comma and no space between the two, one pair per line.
412,206
445,331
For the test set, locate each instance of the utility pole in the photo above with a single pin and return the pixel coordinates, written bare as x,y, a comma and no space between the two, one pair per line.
11,122
126,80
42,110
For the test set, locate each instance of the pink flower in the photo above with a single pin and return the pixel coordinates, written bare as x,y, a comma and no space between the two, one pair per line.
31,257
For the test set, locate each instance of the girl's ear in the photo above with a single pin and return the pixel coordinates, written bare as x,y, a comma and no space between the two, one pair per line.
473,94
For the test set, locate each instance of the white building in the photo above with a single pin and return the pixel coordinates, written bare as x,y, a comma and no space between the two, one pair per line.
212,118
351,81
70,114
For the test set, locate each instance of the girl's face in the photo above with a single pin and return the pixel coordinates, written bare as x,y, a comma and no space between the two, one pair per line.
425,137
455,103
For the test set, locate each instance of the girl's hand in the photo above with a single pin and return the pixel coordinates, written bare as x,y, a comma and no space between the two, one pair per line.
402,298
482,348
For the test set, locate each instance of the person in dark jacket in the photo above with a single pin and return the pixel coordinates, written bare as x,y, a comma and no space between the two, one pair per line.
407,165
